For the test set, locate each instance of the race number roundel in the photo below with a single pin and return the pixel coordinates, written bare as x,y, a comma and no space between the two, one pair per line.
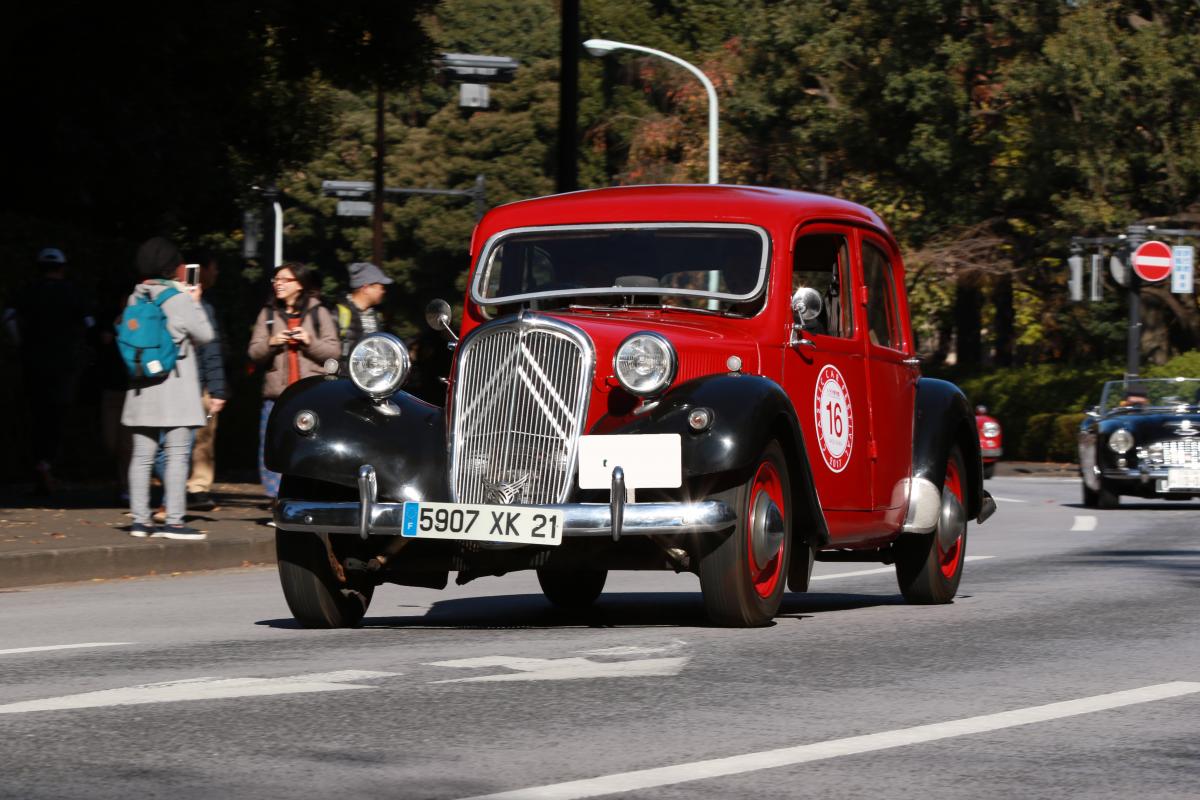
834,417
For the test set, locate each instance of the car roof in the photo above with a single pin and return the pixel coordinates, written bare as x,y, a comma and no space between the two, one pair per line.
679,203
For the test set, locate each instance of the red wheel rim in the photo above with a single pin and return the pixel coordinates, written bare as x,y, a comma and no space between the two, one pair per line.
949,558
765,576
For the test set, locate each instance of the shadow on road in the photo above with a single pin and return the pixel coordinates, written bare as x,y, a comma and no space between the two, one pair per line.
616,610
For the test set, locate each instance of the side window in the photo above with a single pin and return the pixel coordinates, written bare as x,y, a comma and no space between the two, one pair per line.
882,326
822,262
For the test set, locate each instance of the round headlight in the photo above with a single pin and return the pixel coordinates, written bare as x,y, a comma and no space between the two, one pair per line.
1120,441
645,363
379,364
991,429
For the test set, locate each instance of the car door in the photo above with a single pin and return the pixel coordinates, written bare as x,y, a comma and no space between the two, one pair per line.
825,372
892,373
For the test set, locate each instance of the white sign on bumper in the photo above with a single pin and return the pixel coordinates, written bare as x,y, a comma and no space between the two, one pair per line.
650,461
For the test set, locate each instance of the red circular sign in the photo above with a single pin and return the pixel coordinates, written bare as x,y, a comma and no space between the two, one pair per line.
1152,261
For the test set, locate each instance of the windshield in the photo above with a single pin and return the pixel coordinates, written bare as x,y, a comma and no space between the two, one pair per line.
689,265
1145,394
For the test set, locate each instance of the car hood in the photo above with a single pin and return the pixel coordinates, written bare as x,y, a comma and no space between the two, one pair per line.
1154,426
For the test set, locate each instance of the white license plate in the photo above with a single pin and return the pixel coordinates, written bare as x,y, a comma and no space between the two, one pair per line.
483,523
649,460
1183,479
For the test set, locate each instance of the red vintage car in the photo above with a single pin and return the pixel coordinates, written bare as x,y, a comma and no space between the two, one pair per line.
708,379
991,440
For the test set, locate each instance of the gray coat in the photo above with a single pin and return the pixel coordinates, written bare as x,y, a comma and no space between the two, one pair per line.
175,401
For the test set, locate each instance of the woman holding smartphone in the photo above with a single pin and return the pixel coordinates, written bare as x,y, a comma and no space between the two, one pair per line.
293,336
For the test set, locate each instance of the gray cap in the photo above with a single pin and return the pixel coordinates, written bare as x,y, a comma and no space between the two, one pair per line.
51,256
364,273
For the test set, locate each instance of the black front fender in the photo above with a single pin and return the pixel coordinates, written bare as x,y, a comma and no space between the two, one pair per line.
748,412
407,450
944,418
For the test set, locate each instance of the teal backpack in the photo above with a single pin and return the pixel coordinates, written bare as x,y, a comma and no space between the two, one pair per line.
144,340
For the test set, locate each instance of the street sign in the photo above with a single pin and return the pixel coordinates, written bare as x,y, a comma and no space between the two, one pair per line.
1182,280
355,208
347,188
1152,261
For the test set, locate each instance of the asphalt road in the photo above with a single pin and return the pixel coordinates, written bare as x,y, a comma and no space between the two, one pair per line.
1069,666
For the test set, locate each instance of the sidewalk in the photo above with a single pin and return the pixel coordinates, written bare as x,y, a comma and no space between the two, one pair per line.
86,539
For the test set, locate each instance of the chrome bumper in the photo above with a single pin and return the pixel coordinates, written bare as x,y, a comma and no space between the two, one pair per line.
580,519
991,452
369,516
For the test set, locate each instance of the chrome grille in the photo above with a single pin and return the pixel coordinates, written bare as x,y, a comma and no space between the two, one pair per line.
1174,453
520,401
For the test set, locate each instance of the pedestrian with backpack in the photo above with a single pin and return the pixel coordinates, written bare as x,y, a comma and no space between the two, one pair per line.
293,336
159,332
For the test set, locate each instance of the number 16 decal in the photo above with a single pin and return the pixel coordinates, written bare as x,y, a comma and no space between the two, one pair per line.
834,416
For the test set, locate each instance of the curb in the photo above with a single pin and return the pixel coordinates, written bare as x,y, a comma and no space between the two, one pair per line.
91,563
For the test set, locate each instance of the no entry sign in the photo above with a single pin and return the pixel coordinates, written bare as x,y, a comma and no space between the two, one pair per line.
1152,261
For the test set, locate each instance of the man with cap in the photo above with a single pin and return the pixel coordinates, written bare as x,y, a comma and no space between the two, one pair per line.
357,316
47,322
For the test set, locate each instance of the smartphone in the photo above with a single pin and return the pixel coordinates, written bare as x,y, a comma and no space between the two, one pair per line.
191,274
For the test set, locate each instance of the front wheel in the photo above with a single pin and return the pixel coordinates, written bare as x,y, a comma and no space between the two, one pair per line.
572,588
989,470
314,594
743,579
929,565
1107,498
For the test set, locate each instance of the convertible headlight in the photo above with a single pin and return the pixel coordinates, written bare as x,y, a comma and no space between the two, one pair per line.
1120,441
991,429
379,364
645,363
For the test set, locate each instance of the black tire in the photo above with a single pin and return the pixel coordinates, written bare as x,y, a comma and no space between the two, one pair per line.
1091,498
927,570
315,596
1107,498
989,470
739,592
572,588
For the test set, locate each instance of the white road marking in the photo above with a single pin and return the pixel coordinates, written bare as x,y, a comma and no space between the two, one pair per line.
1008,499
1084,523
635,650
200,689
876,571
562,669
45,648
853,745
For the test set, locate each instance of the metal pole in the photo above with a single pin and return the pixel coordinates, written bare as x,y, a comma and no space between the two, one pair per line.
377,211
708,87
275,205
480,194
1135,235
568,98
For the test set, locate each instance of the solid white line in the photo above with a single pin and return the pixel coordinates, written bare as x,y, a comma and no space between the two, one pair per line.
789,756
44,648
1084,523
876,571
1008,499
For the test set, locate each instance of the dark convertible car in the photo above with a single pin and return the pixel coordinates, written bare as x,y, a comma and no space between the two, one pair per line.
1142,440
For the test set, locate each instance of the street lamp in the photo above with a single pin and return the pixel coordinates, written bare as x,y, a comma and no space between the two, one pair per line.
601,47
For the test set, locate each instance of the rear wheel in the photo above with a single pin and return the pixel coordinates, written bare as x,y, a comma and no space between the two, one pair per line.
314,594
743,578
929,565
577,588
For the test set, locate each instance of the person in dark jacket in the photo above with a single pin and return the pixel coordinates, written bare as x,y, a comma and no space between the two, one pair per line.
214,394
357,314
47,322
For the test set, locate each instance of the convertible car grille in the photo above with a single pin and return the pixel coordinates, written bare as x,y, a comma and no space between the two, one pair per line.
1174,453
520,401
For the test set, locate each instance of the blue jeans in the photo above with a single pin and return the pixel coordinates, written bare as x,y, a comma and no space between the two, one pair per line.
270,480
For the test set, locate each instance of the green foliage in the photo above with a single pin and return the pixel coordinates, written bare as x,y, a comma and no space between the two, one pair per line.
1050,437
1184,365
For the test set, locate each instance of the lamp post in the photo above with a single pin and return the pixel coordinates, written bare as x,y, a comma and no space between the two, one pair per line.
600,47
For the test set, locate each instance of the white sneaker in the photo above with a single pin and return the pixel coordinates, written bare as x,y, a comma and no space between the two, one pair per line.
182,532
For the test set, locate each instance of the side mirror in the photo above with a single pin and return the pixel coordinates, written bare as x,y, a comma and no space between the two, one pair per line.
437,315
806,305
1093,412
